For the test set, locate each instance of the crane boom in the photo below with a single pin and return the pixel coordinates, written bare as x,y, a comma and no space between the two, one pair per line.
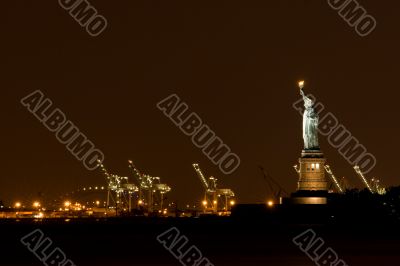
330,173
111,179
200,175
103,169
276,189
360,174
136,172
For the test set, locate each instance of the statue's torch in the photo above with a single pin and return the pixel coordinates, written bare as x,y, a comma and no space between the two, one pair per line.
301,84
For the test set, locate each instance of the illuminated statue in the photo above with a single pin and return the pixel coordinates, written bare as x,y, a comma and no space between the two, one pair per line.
310,122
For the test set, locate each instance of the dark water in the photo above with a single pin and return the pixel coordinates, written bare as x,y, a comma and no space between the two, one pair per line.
224,241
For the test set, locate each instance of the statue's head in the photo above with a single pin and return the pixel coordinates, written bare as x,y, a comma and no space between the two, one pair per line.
308,103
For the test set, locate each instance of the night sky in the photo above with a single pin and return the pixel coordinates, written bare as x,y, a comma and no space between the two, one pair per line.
235,63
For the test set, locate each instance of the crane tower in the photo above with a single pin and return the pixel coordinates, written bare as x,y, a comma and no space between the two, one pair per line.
151,190
119,190
212,195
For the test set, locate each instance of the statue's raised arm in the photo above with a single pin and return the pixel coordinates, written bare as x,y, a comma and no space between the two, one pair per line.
302,92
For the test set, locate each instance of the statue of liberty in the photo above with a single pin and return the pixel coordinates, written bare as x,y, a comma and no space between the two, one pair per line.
310,122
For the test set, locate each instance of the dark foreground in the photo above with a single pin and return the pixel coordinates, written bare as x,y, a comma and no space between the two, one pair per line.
262,239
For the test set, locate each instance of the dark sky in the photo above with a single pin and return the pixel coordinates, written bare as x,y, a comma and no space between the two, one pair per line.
236,64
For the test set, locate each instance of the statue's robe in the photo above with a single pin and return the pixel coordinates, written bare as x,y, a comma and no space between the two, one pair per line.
310,129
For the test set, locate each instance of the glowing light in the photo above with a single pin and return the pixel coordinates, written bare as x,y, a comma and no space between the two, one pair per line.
67,204
301,84
232,202
39,215
205,203
140,202
215,202
17,205
36,204
97,203
270,203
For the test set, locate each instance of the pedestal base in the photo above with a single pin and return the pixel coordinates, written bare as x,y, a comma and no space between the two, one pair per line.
312,171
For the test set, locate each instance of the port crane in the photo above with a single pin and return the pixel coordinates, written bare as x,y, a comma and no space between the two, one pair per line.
275,188
151,190
333,178
212,194
120,187
373,186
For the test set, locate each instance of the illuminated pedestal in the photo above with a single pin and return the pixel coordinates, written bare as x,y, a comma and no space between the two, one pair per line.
312,186
312,172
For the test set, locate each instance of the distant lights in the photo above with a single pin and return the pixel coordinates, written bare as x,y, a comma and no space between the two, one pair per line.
39,215
232,202
270,203
17,205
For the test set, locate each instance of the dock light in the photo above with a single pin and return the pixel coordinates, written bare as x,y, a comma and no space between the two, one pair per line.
301,84
270,203
205,203
17,205
232,202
